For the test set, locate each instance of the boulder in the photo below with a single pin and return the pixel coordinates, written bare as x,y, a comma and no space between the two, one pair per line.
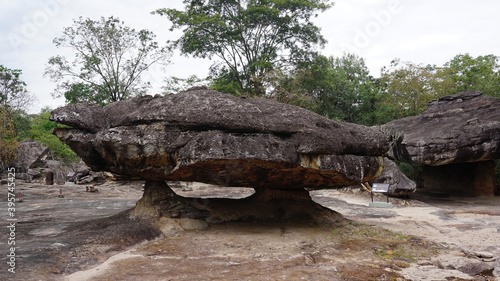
452,131
83,175
206,136
399,184
29,155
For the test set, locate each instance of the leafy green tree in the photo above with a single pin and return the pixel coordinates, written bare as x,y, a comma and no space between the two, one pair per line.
409,87
41,130
250,37
469,73
13,93
287,88
8,141
109,60
342,87
225,81
14,99
81,92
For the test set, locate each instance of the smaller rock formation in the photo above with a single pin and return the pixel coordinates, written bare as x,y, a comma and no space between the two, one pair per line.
82,174
456,129
399,184
29,155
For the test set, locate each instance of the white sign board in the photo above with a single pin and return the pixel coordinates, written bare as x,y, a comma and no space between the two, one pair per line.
380,187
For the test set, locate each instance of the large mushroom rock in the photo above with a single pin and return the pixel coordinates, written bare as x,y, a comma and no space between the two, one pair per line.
460,128
206,136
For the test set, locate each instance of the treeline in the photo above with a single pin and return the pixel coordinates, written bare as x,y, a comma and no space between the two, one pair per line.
342,88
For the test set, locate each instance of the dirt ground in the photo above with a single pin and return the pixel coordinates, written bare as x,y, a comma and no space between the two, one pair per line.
422,238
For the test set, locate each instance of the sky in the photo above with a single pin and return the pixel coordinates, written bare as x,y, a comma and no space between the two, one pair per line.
423,32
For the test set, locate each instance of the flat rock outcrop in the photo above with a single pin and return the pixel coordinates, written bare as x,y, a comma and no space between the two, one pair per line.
460,128
206,136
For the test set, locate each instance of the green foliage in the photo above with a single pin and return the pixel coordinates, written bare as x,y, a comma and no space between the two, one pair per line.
224,81
14,98
480,73
412,171
8,142
109,60
41,128
287,89
409,87
81,92
13,93
250,37
342,88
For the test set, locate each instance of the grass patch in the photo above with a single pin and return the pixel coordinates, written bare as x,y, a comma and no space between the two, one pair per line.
382,243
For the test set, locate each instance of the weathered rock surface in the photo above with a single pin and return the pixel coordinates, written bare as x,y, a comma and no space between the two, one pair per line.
34,161
202,135
206,136
460,128
29,155
399,184
450,134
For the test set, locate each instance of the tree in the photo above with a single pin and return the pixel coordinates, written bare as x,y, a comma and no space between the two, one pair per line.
13,93
250,37
342,87
287,88
81,92
8,141
410,86
14,99
109,60
469,73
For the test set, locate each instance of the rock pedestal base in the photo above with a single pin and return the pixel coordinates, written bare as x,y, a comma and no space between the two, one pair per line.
160,201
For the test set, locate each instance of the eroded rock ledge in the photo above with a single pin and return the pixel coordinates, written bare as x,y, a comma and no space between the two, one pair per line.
461,128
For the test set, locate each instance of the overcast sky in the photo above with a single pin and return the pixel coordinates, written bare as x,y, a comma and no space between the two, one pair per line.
423,31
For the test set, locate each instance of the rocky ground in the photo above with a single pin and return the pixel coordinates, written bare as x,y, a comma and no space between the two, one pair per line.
87,236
